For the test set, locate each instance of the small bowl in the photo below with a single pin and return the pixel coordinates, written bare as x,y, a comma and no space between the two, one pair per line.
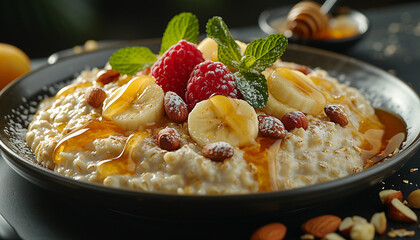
270,17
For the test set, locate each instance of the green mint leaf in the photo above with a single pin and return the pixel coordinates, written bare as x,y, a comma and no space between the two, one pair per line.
264,52
229,52
253,87
182,26
130,60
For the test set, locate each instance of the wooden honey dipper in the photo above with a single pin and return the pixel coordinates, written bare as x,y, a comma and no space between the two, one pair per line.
309,19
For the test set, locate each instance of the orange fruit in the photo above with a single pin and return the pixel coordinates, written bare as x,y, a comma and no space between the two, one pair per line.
13,63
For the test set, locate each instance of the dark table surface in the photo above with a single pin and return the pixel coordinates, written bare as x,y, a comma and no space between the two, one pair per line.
393,44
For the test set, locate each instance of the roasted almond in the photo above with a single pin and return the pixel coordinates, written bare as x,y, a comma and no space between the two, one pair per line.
95,96
401,213
333,236
175,107
379,222
346,226
218,151
336,114
362,231
168,139
322,225
272,231
107,76
270,126
292,120
383,195
398,195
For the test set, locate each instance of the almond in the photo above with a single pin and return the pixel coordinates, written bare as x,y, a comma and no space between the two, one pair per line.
218,151
379,222
391,196
383,195
362,231
175,107
333,236
270,126
95,96
346,226
292,120
322,225
413,199
272,231
401,213
107,76
401,233
336,114
168,139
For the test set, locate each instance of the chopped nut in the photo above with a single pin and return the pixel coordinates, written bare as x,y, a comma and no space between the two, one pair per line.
168,139
270,126
218,151
414,170
401,233
107,76
336,114
175,107
413,199
307,236
270,231
95,96
294,120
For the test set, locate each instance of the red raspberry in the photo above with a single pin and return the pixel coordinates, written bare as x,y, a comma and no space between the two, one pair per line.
173,69
208,79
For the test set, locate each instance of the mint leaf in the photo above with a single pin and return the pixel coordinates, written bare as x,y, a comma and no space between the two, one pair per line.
253,87
182,26
130,60
229,52
263,52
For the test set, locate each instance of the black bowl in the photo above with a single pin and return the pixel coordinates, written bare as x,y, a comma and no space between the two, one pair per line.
19,100
270,17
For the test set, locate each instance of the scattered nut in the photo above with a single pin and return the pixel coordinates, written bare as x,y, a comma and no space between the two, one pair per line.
95,96
413,199
307,236
322,225
107,76
175,107
398,195
333,236
218,151
336,114
168,139
401,233
294,120
272,231
346,226
399,212
270,126
383,195
362,231
379,222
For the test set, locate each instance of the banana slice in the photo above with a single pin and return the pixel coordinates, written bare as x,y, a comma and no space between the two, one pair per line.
223,119
209,48
136,105
291,90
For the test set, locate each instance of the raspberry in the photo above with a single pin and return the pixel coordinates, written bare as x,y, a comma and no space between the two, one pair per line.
173,69
208,79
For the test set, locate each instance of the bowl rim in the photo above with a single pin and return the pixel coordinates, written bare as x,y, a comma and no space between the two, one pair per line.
264,25
23,166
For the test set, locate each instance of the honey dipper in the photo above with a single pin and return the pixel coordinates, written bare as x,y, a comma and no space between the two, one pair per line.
309,19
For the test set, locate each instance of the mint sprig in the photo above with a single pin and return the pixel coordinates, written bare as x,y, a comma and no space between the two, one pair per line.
182,26
253,87
130,60
229,52
259,54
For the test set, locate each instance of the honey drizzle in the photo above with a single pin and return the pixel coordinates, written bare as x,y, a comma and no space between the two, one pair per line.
80,138
123,164
257,155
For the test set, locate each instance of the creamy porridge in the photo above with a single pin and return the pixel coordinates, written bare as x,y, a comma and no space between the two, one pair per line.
129,131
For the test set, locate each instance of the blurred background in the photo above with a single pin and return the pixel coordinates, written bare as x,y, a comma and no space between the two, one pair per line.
42,27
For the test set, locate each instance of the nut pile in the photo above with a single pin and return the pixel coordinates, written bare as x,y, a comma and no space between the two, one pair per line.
331,227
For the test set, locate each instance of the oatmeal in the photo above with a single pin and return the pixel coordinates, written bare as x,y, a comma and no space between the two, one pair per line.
185,125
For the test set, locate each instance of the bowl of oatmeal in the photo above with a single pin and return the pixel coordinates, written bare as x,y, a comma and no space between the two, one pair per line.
262,135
